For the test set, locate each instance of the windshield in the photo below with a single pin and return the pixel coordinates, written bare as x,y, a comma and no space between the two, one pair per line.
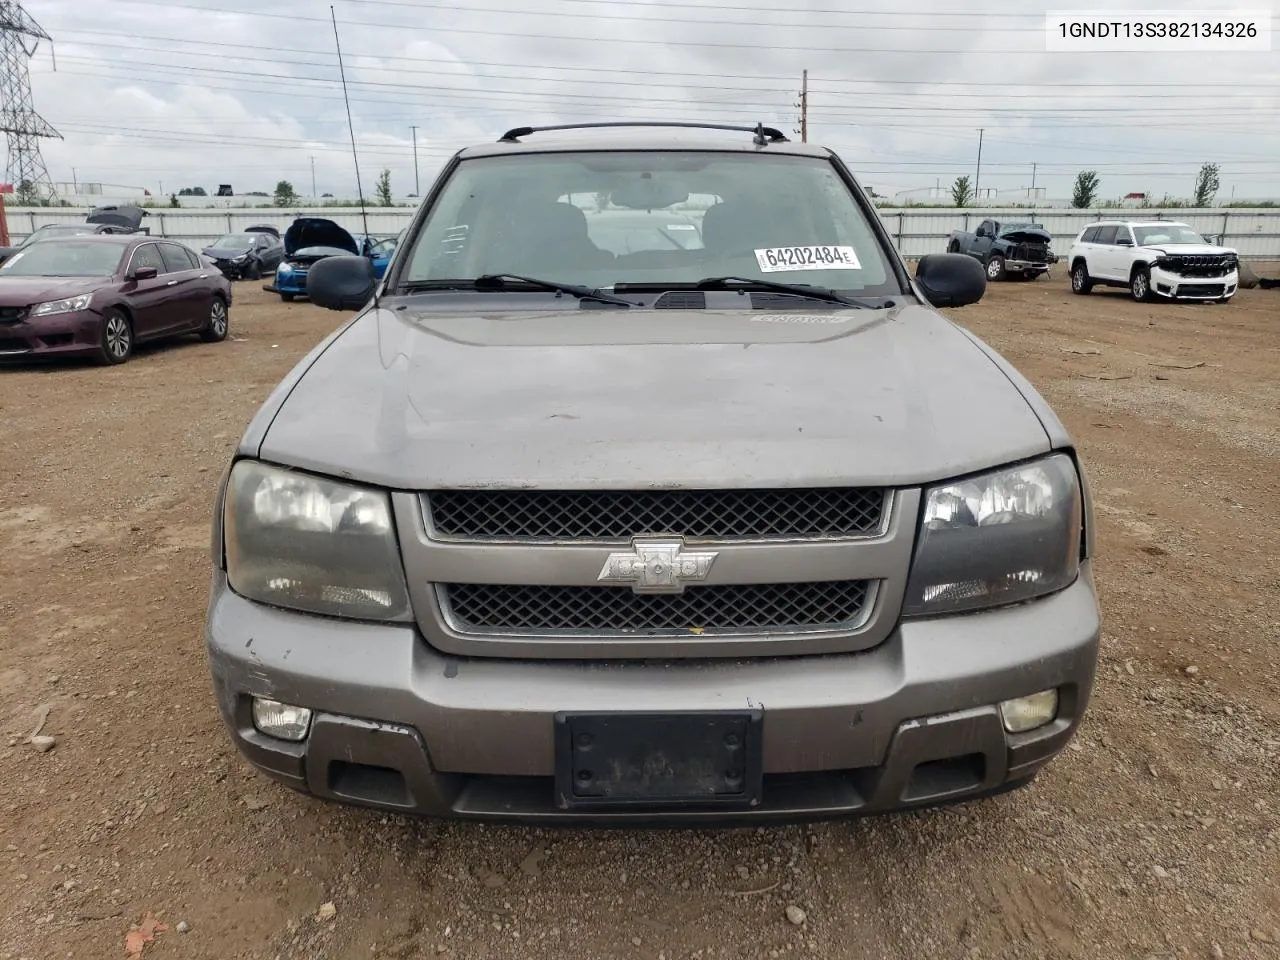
1015,227
59,230
1165,233
235,241
608,218
67,258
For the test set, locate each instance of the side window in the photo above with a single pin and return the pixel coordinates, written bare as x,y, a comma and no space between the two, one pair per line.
147,255
1106,234
1124,235
1090,235
175,258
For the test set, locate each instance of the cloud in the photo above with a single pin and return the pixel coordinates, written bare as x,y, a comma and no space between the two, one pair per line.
180,93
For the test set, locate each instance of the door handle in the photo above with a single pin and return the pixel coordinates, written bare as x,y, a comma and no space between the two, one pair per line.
171,283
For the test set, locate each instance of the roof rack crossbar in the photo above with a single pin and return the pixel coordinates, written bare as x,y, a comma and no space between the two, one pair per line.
763,135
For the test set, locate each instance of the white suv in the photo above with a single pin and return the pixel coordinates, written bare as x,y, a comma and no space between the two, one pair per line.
1154,259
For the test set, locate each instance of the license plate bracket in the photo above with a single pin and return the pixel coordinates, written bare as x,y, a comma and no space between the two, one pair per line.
710,758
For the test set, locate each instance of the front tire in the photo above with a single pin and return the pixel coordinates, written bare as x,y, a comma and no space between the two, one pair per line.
1140,285
995,267
1080,281
953,247
115,341
254,271
215,327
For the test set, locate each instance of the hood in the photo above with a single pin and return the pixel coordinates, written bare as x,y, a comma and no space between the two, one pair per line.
1188,249
225,253
263,228
127,216
317,232
1028,235
591,398
311,254
24,291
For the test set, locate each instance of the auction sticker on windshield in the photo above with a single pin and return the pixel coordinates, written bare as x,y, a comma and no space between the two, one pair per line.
775,259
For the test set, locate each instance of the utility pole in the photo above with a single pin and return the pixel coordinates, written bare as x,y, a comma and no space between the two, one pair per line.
19,37
1033,180
417,192
804,107
977,177
314,195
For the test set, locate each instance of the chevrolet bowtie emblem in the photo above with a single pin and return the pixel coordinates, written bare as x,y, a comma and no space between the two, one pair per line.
656,566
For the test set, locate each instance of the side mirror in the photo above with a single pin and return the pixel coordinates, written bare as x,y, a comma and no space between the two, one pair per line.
341,283
146,273
951,279
980,232
1123,242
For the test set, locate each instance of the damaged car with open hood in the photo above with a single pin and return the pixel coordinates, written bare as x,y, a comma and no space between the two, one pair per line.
557,530
1007,248
307,241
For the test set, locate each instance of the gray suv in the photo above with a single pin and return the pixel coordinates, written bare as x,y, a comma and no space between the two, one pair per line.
648,485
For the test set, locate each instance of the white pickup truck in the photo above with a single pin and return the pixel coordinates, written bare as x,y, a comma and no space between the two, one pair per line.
1155,259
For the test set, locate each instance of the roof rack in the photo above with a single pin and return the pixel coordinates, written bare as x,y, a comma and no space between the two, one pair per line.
763,135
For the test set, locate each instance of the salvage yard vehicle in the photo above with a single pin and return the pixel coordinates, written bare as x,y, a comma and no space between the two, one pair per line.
101,220
98,296
248,255
735,532
1007,249
1154,259
307,241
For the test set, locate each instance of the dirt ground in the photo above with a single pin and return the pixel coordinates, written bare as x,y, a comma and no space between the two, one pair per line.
1155,835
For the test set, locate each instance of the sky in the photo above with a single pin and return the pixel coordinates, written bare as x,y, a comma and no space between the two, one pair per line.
166,94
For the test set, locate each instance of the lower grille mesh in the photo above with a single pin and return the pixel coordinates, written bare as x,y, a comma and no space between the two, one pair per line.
479,608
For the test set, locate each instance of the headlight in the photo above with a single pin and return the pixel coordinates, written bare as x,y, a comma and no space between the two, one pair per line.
70,305
285,268
241,259
311,544
1003,537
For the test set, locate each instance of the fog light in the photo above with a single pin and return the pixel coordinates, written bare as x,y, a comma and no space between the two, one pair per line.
280,720
1027,713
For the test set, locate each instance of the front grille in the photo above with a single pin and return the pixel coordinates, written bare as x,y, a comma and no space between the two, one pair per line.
1211,265
604,610
13,345
606,515
1031,252
12,314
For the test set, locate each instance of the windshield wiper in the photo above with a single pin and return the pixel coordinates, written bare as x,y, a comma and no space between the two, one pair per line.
498,281
799,290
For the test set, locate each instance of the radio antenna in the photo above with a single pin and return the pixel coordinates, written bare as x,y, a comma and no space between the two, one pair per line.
364,216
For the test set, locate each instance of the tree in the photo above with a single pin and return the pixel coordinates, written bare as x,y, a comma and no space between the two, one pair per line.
174,201
286,196
961,192
383,189
27,194
1206,185
192,192
1085,192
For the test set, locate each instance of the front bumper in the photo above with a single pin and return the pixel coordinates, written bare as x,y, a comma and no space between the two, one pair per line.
1027,266
1165,283
60,335
399,726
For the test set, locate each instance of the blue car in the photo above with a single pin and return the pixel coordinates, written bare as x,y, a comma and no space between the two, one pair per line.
381,252
307,240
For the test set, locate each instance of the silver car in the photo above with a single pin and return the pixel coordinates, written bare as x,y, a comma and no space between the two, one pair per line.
741,530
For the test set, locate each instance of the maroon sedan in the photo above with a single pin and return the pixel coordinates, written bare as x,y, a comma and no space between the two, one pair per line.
97,296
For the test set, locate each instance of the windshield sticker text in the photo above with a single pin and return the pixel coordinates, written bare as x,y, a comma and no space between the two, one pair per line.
776,259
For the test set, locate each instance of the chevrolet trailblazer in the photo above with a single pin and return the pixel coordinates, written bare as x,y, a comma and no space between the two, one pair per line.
587,516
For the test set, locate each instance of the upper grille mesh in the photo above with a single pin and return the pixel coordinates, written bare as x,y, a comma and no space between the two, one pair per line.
620,515
479,607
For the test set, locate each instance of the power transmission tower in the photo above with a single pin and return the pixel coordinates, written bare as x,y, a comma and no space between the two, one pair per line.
22,126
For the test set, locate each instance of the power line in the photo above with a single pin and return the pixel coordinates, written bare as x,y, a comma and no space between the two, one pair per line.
862,111
525,35
648,74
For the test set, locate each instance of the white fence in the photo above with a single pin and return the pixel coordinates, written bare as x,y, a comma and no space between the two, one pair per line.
1255,232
